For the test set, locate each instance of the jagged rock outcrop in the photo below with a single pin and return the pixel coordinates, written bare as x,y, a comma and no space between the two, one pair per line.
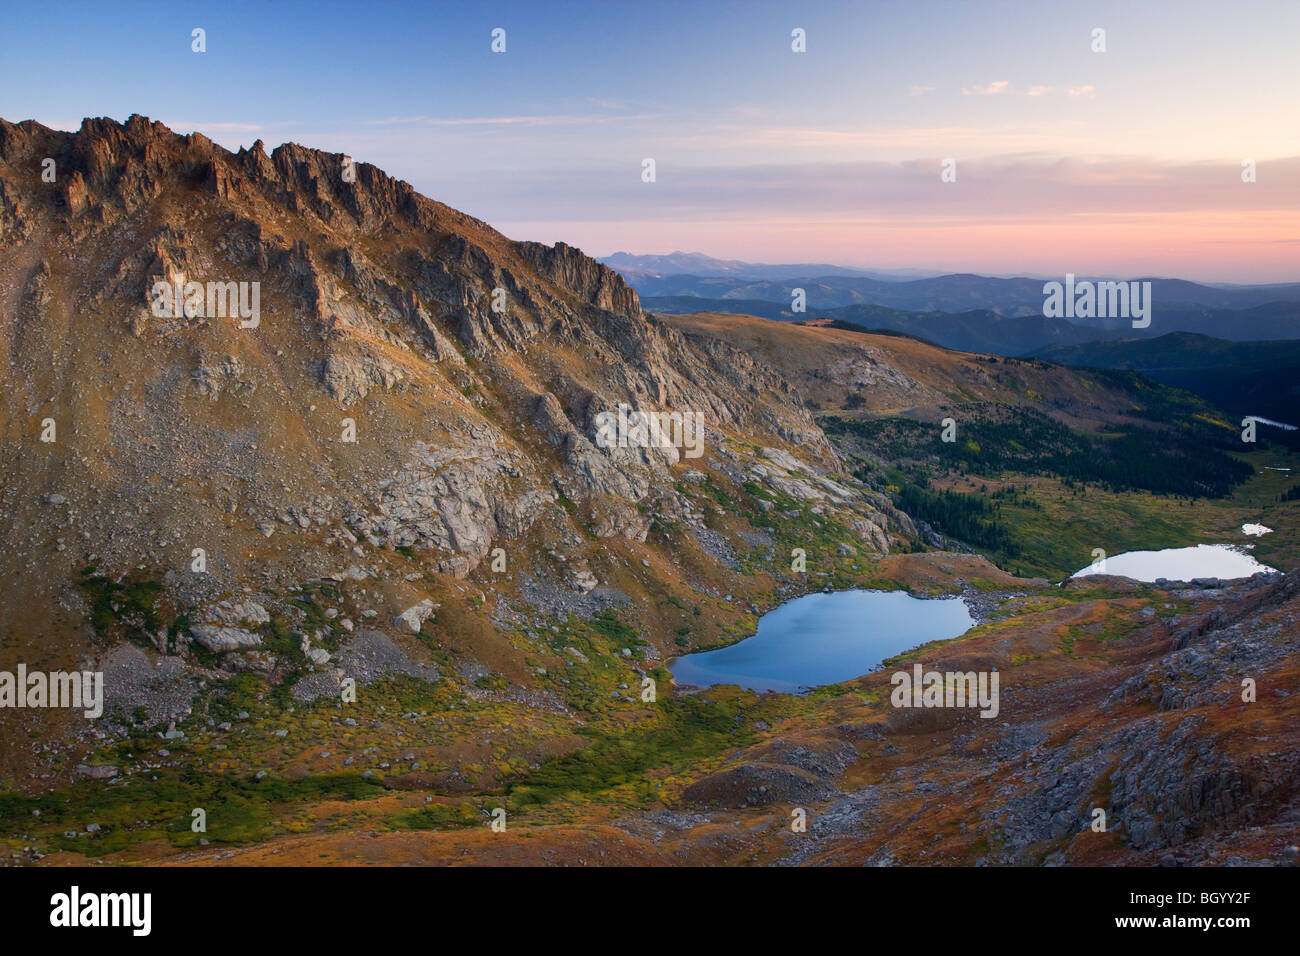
592,281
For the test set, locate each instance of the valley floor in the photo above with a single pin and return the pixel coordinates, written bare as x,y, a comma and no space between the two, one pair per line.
1115,696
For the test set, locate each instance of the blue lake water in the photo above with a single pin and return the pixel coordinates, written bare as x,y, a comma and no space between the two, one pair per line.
825,638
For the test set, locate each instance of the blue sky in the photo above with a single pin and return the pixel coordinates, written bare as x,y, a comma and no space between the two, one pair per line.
1067,160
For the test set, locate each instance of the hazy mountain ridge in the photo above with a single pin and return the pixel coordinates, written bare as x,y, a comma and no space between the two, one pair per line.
1188,305
978,330
984,330
647,267
1248,378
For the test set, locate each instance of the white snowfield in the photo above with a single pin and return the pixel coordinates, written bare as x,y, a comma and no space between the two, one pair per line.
1179,564
1255,530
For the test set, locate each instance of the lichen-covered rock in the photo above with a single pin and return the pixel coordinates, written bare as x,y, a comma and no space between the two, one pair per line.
413,618
219,639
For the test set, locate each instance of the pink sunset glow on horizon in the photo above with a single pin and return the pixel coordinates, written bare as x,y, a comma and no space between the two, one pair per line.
1206,248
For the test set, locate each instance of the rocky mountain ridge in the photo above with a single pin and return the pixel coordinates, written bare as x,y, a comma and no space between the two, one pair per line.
415,391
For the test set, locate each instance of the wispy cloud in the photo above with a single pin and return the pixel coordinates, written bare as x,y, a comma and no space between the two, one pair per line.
553,120
999,189
994,88
181,125
1075,91
1004,86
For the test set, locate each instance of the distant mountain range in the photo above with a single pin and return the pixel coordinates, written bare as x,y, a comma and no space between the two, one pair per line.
1237,346
949,293
697,264
987,330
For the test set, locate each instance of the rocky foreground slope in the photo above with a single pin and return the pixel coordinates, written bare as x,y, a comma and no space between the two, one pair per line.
385,474
1118,699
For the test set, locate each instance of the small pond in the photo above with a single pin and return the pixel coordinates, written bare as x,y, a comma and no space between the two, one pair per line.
825,638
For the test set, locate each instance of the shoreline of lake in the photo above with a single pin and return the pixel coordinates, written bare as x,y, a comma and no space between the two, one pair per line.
815,639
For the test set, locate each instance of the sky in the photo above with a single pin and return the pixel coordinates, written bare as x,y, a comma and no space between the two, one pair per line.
1124,162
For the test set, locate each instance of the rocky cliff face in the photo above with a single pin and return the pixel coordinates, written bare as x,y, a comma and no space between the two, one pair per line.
411,380
569,268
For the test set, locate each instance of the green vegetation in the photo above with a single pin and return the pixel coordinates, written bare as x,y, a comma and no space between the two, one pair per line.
1191,459
437,816
971,518
619,633
1036,497
239,809
126,609
684,729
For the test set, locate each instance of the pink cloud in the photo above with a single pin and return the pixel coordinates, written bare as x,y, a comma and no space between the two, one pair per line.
997,86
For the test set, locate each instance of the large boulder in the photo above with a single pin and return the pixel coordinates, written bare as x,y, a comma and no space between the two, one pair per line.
219,639
413,618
